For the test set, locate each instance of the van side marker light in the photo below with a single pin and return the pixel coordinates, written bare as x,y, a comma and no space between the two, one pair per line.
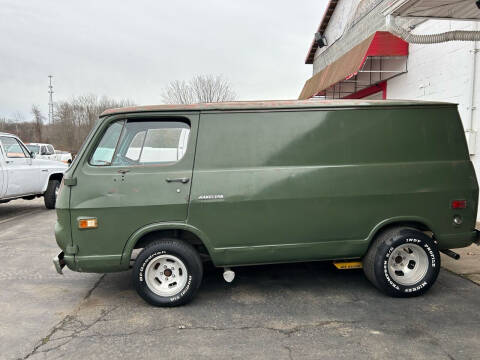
228,275
348,265
90,223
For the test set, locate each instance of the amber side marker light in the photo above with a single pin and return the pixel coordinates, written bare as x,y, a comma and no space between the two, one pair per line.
459,204
91,223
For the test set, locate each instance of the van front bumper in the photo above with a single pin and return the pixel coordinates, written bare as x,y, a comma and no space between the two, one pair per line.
59,262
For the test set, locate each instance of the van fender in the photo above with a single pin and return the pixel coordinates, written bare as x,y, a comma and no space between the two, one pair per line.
395,220
137,235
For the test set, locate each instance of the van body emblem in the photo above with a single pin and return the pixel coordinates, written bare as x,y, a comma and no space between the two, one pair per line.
211,197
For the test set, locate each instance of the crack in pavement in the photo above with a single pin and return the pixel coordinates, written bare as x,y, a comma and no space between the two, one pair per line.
77,327
287,332
66,320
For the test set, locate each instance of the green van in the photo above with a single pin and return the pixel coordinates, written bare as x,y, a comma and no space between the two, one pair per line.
165,188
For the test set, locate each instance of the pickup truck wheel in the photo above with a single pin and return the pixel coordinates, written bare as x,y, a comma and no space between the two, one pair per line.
402,262
168,272
50,196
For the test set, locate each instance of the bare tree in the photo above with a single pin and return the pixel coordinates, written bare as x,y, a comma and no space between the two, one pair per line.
200,89
178,92
72,121
74,118
38,120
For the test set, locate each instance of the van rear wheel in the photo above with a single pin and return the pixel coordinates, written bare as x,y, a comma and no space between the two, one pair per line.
168,272
402,262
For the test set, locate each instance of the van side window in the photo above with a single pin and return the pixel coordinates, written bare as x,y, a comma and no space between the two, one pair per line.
152,142
133,152
106,147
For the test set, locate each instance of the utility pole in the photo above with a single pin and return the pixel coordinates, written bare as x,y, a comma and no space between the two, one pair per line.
50,101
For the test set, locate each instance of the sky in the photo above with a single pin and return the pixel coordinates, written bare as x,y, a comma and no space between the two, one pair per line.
132,49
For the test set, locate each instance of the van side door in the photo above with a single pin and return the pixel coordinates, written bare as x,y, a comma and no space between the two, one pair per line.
134,175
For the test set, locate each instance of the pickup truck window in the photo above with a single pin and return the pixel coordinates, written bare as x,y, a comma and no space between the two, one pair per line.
13,148
34,148
50,150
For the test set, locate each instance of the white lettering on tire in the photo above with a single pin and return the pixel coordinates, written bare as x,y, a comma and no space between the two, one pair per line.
415,288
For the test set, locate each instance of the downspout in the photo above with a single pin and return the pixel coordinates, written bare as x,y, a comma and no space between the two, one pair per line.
474,52
473,90
456,35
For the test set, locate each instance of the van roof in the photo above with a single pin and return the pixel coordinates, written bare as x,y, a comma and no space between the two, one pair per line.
270,104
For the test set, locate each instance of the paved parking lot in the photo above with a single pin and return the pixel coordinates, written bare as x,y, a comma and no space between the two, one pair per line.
307,311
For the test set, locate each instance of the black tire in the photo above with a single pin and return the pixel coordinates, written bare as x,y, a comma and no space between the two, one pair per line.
392,242
50,196
164,248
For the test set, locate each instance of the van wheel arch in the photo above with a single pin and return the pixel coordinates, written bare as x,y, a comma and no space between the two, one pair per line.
418,225
179,234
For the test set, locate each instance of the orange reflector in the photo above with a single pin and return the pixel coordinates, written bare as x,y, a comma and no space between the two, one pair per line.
459,204
347,265
91,223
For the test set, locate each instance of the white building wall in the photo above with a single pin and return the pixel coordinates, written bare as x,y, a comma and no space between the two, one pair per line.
443,72
437,72
344,12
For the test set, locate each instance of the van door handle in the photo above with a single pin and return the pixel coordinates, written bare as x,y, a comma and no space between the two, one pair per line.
181,180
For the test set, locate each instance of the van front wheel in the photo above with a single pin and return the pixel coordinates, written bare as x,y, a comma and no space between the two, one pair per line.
402,262
167,272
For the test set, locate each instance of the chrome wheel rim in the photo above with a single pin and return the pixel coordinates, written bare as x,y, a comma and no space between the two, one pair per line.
57,190
166,275
408,264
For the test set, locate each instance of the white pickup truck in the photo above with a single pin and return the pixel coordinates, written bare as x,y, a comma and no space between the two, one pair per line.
24,176
46,151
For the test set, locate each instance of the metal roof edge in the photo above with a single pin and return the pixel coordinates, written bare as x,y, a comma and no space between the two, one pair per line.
268,105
